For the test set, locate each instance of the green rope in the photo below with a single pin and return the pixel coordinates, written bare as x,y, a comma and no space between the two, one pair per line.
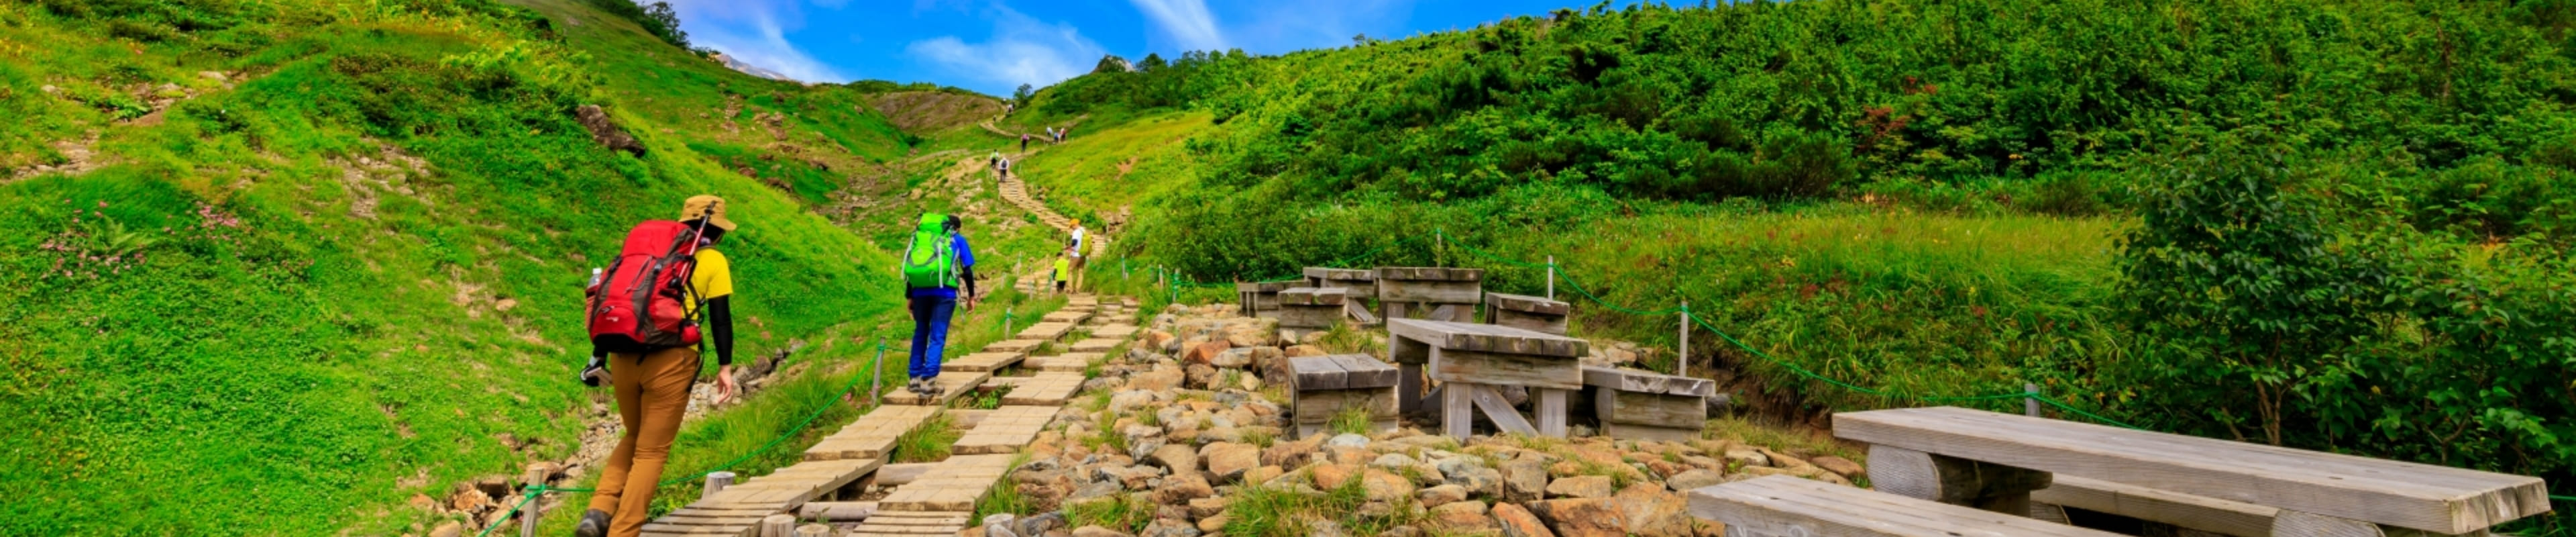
827,404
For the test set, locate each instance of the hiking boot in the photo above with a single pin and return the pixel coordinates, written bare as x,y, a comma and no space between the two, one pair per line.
594,523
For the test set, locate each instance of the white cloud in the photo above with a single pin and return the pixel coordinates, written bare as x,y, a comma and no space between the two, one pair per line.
1281,27
1187,21
754,32
1022,50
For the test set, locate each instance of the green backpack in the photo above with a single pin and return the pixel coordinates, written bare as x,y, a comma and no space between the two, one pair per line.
931,261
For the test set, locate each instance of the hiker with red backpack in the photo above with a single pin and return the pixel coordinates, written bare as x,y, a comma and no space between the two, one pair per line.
646,338
935,265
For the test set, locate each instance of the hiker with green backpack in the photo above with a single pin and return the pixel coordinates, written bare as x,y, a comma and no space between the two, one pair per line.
935,265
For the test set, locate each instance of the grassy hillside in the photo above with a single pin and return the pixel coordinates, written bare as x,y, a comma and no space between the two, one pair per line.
2329,224
286,266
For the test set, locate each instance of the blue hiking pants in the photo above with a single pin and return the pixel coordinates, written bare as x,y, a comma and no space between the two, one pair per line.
930,333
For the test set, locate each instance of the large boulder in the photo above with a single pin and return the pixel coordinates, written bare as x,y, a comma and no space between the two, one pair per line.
1651,511
1524,479
1516,522
1204,353
1584,486
1464,517
1694,479
1180,459
1180,489
1581,517
1227,461
606,131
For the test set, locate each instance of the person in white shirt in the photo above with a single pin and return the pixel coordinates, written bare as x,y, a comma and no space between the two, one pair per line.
1078,254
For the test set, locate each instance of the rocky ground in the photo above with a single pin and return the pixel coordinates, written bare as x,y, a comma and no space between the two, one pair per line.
1182,437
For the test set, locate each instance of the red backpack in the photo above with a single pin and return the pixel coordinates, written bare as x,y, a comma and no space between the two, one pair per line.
637,305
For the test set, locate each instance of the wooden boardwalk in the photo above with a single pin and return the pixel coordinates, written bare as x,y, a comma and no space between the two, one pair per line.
1046,331
1005,430
943,500
1097,344
984,361
1052,388
1067,362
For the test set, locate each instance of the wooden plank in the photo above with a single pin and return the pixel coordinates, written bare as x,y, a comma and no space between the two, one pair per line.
1319,406
1316,373
1448,274
1409,384
1527,304
1514,369
2407,495
836,511
1487,338
1319,317
1500,412
1429,291
1364,371
1545,324
1640,408
2183,510
1313,296
983,361
1789,506
1632,380
1014,345
1330,274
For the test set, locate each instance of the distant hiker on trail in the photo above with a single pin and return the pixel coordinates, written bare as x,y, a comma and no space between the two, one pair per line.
645,324
1024,142
936,263
1076,249
1006,168
1063,270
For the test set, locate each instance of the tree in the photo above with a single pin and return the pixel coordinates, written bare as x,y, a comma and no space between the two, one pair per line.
2241,291
666,24
1022,96
1152,61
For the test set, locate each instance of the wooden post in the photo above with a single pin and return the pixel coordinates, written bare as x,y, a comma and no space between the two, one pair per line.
1006,322
1408,388
2030,405
1681,362
778,525
535,477
1551,412
716,482
1551,277
1458,410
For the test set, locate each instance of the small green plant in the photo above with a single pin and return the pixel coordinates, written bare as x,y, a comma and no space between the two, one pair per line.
1259,437
1351,420
1124,512
1003,497
927,442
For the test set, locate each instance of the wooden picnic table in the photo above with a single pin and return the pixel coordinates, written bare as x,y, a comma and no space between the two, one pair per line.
1992,460
1471,359
1446,291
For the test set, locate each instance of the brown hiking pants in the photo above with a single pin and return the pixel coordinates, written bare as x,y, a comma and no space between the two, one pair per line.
652,395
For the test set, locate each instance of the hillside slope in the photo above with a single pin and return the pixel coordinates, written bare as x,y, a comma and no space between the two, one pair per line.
286,266
2332,224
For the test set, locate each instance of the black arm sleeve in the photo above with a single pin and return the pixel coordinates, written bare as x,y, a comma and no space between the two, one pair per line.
969,272
720,328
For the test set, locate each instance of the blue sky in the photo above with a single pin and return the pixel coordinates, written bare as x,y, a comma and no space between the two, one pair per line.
993,46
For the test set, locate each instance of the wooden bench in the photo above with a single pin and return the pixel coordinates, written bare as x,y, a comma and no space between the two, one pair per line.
1526,312
1648,405
1994,461
1442,289
1311,307
1783,506
1359,283
1325,386
1261,299
1470,359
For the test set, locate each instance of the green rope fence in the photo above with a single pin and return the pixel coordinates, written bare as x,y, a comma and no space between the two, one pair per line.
541,489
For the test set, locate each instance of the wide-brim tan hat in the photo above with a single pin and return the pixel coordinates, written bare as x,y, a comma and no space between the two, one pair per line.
706,206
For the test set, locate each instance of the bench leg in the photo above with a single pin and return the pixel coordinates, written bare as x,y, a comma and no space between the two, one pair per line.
1394,310
1457,411
1955,481
1551,412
